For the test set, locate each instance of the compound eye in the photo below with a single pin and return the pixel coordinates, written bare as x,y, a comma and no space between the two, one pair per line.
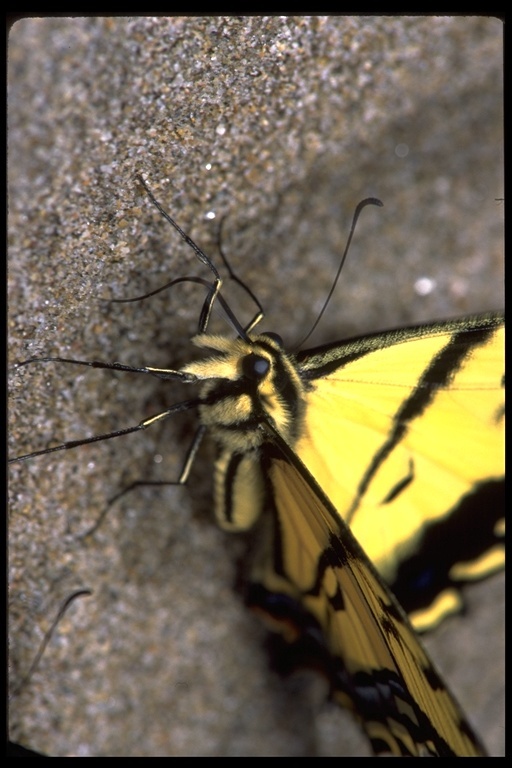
255,367
274,336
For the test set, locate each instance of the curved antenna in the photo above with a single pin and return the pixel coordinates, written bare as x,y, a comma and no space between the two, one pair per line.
175,281
47,637
230,316
357,212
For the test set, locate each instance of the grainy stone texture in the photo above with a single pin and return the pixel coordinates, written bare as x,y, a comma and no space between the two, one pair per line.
282,124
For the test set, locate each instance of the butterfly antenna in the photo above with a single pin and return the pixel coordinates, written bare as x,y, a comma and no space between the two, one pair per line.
259,315
201,255
357,212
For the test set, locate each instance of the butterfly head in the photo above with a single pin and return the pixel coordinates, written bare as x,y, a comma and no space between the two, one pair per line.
247,383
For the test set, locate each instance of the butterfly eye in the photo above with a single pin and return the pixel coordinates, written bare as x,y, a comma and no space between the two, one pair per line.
275,337
255,367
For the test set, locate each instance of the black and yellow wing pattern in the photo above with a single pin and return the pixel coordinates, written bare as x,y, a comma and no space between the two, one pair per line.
377,667
419,418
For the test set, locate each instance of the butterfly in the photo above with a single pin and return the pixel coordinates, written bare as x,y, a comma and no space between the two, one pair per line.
351,461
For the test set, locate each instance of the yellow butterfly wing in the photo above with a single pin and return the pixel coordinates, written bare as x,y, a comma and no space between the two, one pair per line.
379,668
404,434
